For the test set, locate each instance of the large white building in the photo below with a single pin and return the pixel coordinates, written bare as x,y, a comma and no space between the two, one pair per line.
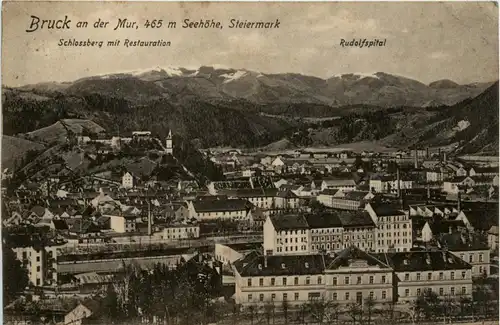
388,184
350,276
313,233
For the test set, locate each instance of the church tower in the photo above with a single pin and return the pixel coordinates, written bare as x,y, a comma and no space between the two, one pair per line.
169,143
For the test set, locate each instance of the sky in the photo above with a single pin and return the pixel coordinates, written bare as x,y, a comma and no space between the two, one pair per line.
424,41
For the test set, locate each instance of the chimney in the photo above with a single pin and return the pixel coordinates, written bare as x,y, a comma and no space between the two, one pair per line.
398,183
439,153
428,193
416,158
459,204
265,261
444,156
149,220
427,152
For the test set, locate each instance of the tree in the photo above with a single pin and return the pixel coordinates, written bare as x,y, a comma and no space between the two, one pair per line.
285,306
269,309
15,277
369,305
355,312
251,311
447,307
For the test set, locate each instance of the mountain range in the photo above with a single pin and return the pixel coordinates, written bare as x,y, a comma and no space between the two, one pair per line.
213,84
229,107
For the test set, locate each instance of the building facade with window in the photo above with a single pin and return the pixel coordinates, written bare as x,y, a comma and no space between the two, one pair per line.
438,271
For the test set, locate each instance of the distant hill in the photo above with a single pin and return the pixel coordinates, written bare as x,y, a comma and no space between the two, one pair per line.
59,131
209,83
14,150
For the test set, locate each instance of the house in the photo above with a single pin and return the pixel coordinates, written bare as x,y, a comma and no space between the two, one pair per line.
484,171
388,184
180,231
295,279
394,227
85,230
286,234
438,271
350,276
354,275
493,238
278,162
351,200
233,209
471,248
128,180
341,184
87,309
121,222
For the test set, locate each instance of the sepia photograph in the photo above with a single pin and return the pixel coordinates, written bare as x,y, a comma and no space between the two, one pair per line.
252,163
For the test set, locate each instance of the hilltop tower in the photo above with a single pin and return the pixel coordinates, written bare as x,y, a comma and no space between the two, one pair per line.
169,143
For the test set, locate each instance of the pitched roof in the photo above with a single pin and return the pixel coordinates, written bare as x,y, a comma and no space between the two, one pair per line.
386,210
329,191
289,222
426,261
463,242
350,254
60,224
281,265
221,205
356,195
323,220
356,219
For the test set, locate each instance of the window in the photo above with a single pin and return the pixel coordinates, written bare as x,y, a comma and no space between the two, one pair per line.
313,295
419,292
452,291
347,296
249,282
429,276
296,296
38,258
480,257
384,294
407,276
371,295
261,297
250,297
441,291
464,290
463,275
334,281
284,281
407,292
261,282
371,279
470,258
308,280
296,281
346,280
359,280
334,296
418,276
320,280
440,275
383,278
285,296
452,275
273,281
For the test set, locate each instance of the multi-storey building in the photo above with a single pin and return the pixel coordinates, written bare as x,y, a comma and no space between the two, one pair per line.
469,247
313,233
296,279
39,257
388,184
438,271
180,231
355,275
233,209
350,276
393,228
286,234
